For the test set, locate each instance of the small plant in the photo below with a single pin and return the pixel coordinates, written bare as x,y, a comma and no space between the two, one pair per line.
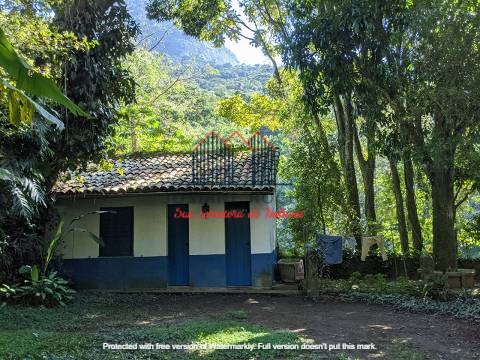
435,286
60,235
355,276
48,290
45,287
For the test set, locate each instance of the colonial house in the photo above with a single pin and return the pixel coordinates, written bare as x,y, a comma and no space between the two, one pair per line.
201,219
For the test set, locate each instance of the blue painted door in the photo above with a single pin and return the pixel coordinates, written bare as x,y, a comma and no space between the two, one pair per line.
178,271
237,245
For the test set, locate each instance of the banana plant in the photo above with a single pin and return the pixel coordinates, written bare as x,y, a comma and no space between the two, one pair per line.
21,106
61,233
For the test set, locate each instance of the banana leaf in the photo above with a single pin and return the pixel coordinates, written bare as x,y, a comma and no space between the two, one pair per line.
30,81
19,112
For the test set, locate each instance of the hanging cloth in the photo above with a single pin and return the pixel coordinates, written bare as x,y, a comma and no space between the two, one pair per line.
331,246
369,241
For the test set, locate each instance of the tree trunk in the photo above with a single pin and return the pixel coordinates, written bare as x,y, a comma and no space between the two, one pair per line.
417,239
345,130
397,191
444,247
367,168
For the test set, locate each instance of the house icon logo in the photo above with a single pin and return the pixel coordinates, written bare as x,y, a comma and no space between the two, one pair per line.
254,142
217,161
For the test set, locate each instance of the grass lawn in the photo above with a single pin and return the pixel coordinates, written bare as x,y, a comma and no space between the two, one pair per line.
79,330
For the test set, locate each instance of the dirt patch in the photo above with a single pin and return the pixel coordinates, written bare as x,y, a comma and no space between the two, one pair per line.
331,321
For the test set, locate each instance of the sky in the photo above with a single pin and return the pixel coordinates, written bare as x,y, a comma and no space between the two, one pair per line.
246,53
242,49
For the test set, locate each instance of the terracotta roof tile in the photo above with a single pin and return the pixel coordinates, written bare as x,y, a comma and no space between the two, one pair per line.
156,173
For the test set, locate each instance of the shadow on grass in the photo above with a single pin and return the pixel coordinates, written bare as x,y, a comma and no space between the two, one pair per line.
210,334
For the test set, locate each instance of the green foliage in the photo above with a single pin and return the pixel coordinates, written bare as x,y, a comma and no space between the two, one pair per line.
46,289
81,45
31,82
390,61
260,111
205,20
429,296
31,270
23,192
164,38
318,184
460,307
227,80
94,79
171,113
435,286
372,284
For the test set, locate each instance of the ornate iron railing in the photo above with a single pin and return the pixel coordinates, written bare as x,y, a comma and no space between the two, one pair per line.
215,164
264,160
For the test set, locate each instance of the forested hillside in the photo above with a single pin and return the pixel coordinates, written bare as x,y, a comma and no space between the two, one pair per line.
163,37
180,83
220,71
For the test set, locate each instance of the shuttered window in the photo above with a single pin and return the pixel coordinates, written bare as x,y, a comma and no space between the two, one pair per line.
116,231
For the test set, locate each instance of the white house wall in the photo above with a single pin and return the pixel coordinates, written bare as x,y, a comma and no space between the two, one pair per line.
262,230
206,236
206,241
150,237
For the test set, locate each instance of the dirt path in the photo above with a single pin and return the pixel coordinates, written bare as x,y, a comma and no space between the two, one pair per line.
330,321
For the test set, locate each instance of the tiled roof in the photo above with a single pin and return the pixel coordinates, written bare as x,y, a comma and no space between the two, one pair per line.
154,173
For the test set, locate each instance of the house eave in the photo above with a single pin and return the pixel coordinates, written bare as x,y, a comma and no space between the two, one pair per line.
89,195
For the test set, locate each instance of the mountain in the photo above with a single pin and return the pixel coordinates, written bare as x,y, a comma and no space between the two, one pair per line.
165,38
230,79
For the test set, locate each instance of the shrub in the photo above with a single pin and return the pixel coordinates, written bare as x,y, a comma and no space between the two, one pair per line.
430,295
48,290
435,286
460,307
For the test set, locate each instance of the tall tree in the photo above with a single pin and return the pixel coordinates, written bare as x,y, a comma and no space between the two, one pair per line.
423,58
400,211
344,116
410,199
94,79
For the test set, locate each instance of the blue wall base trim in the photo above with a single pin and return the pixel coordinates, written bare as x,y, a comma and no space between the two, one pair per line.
152,272
263,266
117,272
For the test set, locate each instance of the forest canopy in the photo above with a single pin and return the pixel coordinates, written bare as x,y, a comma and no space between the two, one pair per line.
374,105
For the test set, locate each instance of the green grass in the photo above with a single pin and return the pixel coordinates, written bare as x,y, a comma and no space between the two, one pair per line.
79,330
32,344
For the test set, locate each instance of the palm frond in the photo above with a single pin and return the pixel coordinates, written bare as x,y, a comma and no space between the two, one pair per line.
20,204
34,190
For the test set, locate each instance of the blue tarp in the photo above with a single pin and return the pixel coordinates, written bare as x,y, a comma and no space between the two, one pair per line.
331,247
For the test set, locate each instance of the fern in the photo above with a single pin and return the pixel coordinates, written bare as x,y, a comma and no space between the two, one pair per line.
20,204
34,191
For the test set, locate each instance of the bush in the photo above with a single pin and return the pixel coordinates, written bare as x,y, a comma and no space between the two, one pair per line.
430,295
461,307
435,286
48,290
